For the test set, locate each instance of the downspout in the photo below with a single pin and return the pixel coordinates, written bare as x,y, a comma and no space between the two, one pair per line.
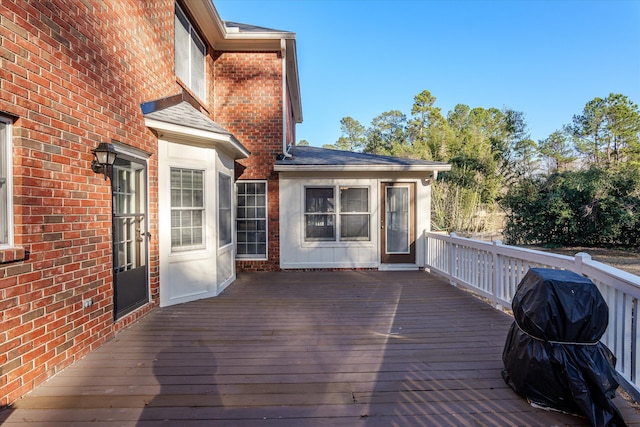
283,53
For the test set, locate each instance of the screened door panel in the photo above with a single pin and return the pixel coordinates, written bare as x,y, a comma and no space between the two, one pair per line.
397,231
130,236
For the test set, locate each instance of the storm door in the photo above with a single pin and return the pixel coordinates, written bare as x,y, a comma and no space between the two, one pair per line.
397,230
130,236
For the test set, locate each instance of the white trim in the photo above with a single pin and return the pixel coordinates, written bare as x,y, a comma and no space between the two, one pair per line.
328,265
398,267
406,186
8,151
360,168
198,137
285,99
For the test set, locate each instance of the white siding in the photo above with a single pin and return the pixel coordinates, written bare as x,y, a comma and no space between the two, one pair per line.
296,253
195,274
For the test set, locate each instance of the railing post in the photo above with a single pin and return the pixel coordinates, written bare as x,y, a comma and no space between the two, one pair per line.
427,252
496,277
579,261
452,260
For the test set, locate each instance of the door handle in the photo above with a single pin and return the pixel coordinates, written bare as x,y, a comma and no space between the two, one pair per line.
146,234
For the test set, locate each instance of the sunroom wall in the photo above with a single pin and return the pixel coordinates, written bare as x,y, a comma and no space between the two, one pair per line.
296,253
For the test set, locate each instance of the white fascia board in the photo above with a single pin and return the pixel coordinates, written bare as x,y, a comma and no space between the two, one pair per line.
223,38
224,141
362,168
207,18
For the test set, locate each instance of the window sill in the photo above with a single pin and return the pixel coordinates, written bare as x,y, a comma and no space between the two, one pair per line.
253,258
13,254
339,244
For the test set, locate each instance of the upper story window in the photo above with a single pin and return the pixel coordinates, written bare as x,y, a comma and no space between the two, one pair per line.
6,193
190,51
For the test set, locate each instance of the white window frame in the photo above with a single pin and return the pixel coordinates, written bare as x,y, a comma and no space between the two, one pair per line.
228,211
6,216
256,257
194,39
337,214
185,248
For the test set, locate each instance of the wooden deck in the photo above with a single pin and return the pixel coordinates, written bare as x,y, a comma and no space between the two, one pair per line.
300,349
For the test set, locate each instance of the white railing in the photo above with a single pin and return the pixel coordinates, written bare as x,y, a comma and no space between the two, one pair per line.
493,271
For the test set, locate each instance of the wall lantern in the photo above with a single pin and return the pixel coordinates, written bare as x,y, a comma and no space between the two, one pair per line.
104,156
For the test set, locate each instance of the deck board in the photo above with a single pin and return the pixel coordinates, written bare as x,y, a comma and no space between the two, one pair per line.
301,349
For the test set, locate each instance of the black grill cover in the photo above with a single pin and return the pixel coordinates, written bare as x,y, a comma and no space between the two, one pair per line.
552,355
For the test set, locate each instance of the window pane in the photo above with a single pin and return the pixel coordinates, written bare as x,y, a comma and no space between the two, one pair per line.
224,210
181,46
397,218
319,200
354,227
198,51
320,227
4,198
251,222
3,149
197,180
354,200
190,52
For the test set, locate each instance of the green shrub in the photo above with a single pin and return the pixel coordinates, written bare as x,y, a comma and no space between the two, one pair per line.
591,207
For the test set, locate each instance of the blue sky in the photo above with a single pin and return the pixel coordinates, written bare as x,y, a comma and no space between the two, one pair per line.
360,58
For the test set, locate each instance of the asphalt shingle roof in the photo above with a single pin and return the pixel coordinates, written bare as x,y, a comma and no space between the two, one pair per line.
179,110
248,28
314,156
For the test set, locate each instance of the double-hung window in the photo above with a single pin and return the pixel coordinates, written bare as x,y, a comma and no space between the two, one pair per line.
187,209
343,218
251,219
6,194
190,52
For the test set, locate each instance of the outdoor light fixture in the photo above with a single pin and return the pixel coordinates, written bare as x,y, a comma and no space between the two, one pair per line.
104,156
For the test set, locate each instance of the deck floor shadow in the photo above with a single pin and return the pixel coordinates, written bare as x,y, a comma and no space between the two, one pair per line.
348,348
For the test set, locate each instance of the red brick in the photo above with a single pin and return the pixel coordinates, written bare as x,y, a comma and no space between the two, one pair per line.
83,85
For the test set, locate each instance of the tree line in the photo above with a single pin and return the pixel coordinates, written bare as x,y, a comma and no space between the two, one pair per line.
580,185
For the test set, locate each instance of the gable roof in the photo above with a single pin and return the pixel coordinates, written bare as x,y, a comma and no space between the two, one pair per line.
314,159
178,116
237,27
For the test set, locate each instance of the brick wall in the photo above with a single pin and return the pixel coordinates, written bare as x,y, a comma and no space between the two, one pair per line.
73,74
248,102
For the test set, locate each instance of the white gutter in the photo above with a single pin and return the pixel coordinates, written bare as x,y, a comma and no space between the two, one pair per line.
285,101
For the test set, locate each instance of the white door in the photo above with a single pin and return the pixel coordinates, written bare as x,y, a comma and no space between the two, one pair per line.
187,216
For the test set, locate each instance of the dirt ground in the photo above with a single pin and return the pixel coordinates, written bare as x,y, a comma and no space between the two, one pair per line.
626,260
